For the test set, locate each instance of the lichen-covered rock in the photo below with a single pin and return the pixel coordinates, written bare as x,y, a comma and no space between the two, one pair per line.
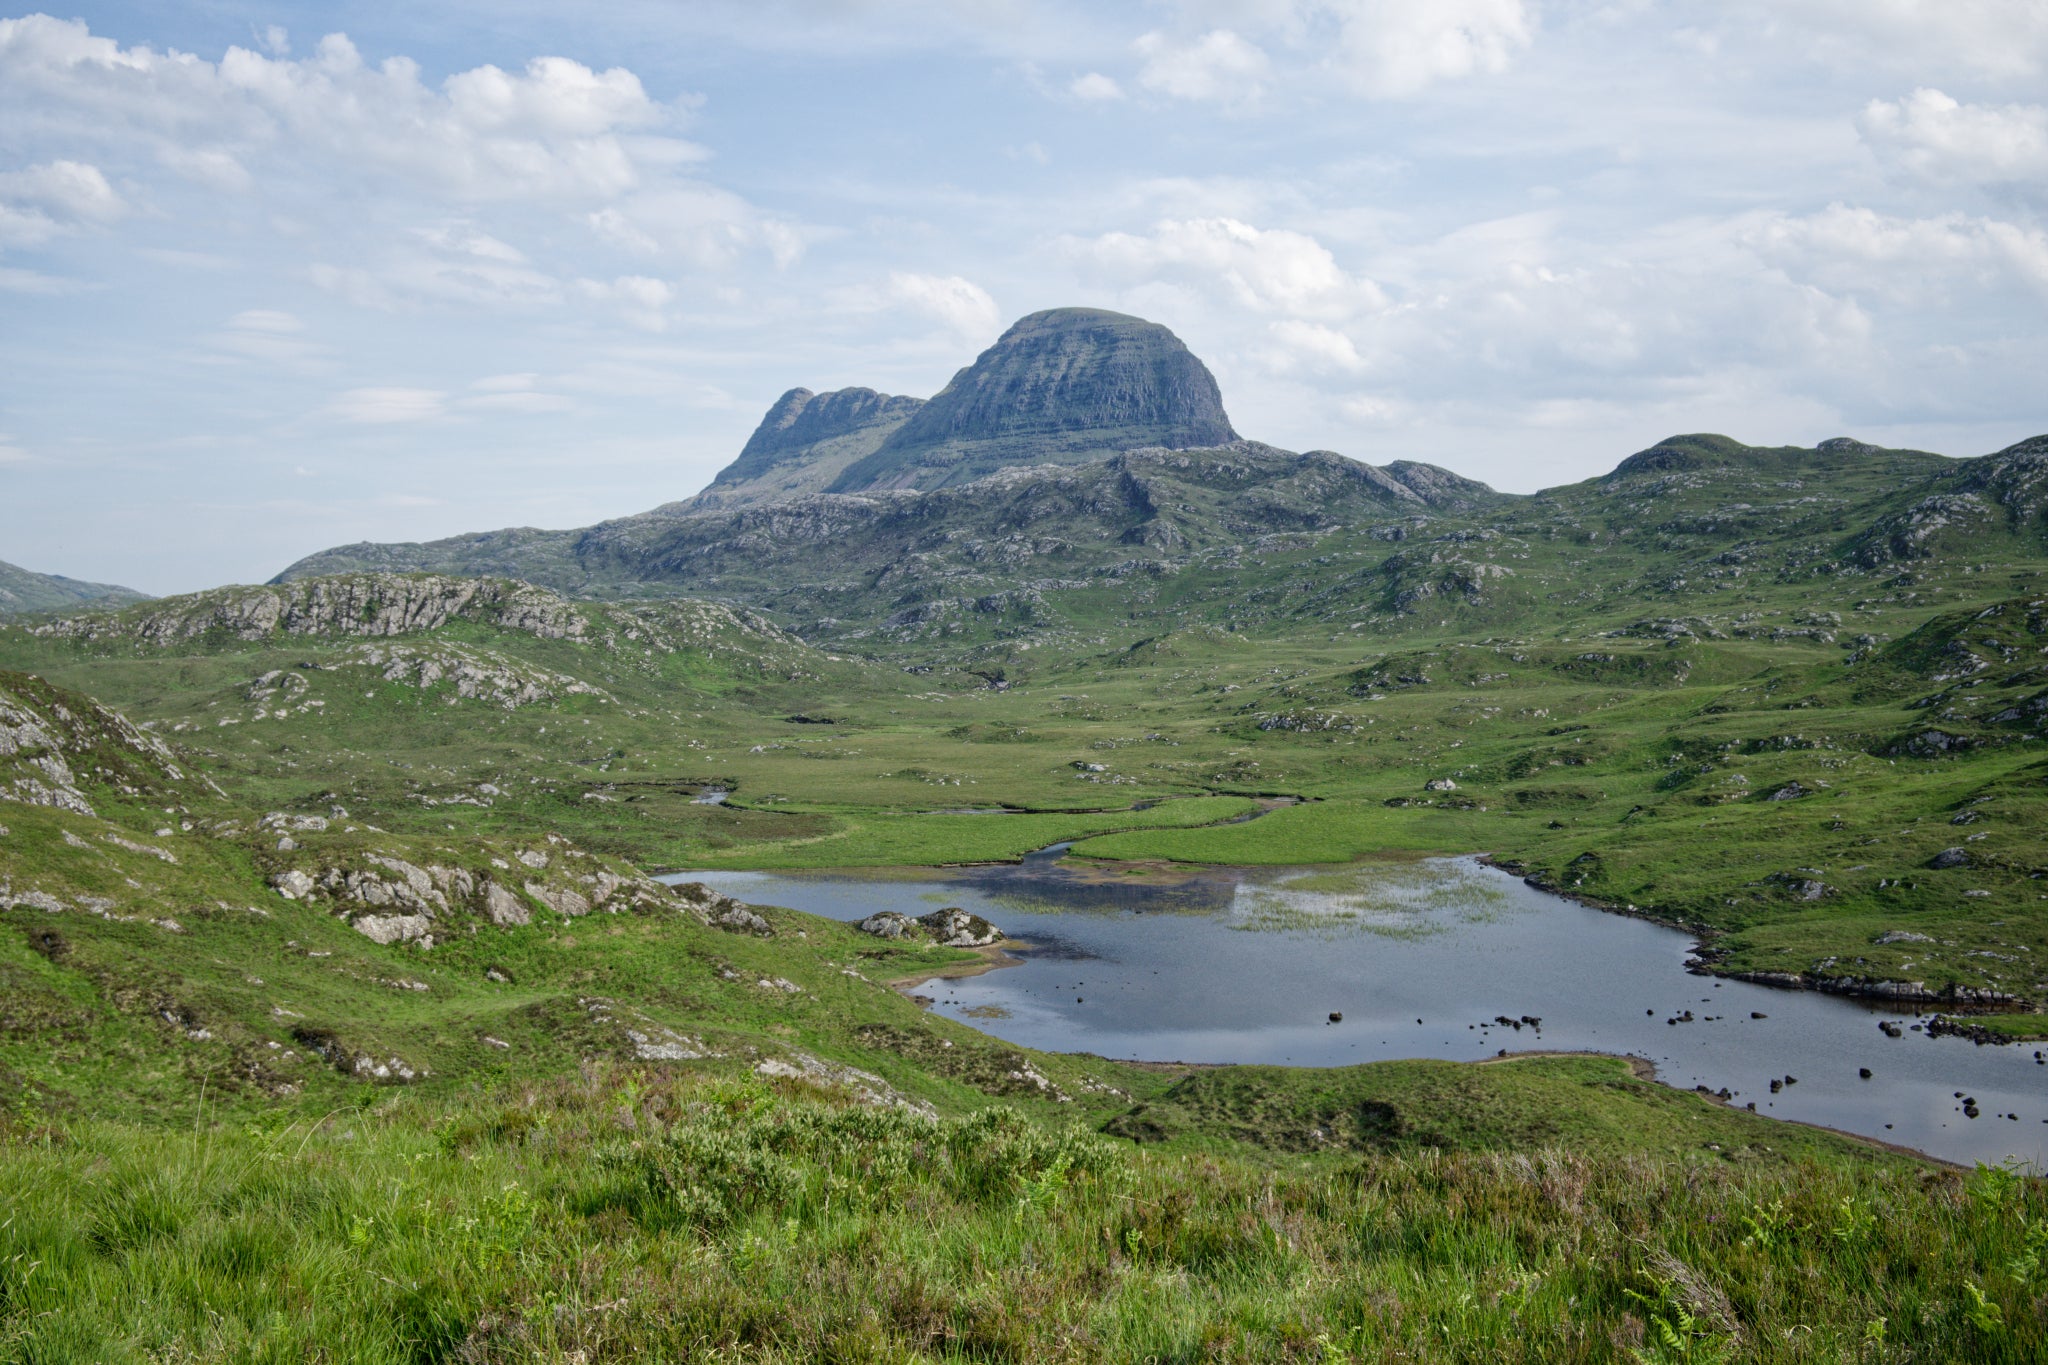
1950,857
293,885
505,909
561,900
954,927
951,927
389,929
721,911
889,924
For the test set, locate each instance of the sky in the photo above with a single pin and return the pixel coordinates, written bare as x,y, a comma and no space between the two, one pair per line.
281,276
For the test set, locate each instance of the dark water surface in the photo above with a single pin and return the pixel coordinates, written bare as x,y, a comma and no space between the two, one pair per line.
1245,965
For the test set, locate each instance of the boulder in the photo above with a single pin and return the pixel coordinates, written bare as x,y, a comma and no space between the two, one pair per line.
889,924
1950,857
958,928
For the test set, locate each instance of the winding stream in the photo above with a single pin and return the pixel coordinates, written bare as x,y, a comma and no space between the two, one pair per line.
1422,959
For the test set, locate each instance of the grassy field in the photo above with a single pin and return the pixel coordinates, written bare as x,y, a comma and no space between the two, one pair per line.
640,1217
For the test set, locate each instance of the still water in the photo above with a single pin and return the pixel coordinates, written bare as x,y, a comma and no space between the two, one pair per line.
1421,958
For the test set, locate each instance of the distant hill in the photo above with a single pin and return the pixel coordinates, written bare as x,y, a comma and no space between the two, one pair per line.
23,590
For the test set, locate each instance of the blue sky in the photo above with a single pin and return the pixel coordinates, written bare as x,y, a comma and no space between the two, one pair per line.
277,276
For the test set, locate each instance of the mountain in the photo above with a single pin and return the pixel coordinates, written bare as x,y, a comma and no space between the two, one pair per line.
900,556
806,441
24,590
1083,470
1065,386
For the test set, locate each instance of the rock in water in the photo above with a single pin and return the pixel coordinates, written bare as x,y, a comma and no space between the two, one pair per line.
958,928
1065,386
951,927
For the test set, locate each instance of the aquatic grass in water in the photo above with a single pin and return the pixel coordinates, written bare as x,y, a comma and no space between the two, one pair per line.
1396,900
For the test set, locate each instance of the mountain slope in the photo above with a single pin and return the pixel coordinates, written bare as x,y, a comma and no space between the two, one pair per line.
23,590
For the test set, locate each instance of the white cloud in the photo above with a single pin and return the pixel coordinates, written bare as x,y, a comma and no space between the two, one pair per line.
959,303
50,200
1219,66
1272,270
556,131
70,189
1095,86
10,453
1396,48
1913,260
386,406
1941,138
1313,346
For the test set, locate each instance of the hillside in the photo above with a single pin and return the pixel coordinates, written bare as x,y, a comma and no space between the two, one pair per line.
479,1091
22,590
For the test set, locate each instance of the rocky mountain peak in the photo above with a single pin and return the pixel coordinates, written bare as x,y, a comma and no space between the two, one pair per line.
1068,385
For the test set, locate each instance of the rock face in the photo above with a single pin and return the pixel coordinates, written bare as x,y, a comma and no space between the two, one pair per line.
1064,386
804,443
52,740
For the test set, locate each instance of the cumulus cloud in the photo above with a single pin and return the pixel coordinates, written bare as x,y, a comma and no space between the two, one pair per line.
1313,346
1399,47
1218,65
956,302
1939,137
557,130
1920,260
388,406
1270,270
